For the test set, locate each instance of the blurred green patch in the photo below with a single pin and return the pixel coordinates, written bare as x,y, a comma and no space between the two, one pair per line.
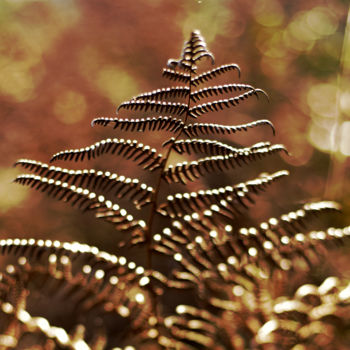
11,195
209,16
116,84
70,107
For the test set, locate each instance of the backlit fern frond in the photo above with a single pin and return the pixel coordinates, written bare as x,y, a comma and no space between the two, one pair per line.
159,94
184,172
218,90
193,130
219,105
151,124
154,106
83,199
119,185
312,317
129,149
177,76
213,269
228,198
72,273
207,76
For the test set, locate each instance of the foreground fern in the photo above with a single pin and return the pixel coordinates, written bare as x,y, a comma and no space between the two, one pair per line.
210,278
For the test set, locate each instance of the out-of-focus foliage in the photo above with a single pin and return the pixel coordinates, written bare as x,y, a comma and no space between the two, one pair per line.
65,62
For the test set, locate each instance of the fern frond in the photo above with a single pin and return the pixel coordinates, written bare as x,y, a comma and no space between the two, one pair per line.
152,124
29,324
92,281
36,249
119,185
215,106
206,255
176,76
157,106
207,76
212,147
228,199
193,130
184,172
195,326
130,149
309,315
293,221
170,92
82,198
290,223
218,90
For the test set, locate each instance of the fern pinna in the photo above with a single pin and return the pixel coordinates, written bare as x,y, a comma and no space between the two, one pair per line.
210,277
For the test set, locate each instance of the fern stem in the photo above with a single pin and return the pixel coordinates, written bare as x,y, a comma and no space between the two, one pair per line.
148,233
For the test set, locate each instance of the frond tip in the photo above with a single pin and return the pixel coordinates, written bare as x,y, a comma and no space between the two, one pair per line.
193,51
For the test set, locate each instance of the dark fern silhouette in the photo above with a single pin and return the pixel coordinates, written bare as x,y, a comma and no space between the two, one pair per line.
210,279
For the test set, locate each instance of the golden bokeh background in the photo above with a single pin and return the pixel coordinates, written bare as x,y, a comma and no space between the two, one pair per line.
64,62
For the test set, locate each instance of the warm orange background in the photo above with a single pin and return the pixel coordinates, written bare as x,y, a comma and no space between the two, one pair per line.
64,62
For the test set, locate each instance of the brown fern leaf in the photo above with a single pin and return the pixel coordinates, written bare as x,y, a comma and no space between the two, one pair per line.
119,185
82,198
212,147
209,254
215,106
75,272
176,76
291,223
37,249
193,130
218,90
229,199
47,335
207,76
130,149
159,94
157,106
195,326
312,317
152,124
184,172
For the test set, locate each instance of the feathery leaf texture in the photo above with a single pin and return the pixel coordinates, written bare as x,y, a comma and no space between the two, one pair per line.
206,243
130,149
177,76
120,186
207,76
159,94
218,90
151,124
184,172
157,106
193,51
193,130
226,198
83,199
215,106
